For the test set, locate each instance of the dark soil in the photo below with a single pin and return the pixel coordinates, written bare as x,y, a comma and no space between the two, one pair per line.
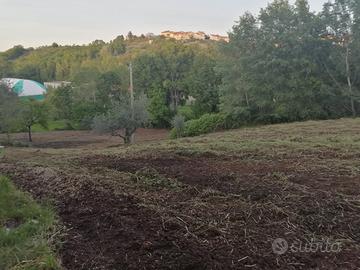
225,215
81,139
233,174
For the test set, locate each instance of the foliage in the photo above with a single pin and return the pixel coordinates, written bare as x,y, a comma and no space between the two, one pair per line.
33,112
205,124
276,67
98,72
117,46
89,95
342,21
9,111
120,117
160,112
203,85
25,229
284,64
187,111
172,72
108,89
178,124
15,52
61,99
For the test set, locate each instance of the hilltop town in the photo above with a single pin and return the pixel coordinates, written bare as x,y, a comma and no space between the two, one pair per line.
194,35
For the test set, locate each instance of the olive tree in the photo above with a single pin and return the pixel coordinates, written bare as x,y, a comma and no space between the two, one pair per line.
119,120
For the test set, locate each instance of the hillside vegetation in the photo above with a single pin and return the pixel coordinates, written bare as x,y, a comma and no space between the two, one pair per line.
62,63
284,64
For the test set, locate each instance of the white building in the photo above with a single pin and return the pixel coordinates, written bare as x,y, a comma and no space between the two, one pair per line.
56,85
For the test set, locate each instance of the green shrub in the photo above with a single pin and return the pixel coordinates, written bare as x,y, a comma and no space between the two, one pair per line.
187,112
178,124
205,124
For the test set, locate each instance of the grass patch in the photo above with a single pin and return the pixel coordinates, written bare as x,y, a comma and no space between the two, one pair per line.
52,126
25,230
151,178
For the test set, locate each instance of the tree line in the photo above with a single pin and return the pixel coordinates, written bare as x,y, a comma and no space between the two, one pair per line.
284,64
289,64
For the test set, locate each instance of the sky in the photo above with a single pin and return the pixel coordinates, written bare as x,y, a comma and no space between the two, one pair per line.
33,23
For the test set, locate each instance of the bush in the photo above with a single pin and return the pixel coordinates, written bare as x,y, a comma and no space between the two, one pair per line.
178,124
187,112
205,124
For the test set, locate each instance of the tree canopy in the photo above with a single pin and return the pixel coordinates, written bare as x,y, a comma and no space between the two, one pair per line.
284,64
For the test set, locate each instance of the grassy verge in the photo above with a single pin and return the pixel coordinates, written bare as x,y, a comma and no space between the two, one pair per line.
52,126
25,231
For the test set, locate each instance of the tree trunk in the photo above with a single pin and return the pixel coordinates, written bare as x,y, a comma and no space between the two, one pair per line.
247,99
29,133
127,139
8,137
129,136
348,76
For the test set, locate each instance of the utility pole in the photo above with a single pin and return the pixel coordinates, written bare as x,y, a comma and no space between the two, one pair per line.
131,89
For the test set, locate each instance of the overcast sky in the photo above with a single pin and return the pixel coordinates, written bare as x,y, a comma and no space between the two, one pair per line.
39,22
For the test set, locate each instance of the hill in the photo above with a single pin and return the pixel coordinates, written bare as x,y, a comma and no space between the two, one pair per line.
61,63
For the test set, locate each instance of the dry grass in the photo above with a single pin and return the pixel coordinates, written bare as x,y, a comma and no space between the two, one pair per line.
210,202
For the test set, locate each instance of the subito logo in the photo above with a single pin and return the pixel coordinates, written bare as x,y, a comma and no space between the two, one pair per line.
280,246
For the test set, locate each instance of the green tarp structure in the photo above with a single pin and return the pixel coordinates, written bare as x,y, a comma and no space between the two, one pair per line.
26,88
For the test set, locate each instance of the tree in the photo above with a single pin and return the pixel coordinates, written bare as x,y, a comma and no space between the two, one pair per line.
178,124
130,36
272,69
15,52
203,84
177,61
119,120
33,112
109,86
30,72
117,46
341,20
9,111
6,68
163,76
62,101
160,112
237,91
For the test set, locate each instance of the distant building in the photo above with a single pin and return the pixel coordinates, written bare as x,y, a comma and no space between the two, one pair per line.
219,38
193,35
177,35
200,35
56,85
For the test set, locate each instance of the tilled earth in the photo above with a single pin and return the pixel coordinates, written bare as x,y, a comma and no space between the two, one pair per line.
162,209
212,202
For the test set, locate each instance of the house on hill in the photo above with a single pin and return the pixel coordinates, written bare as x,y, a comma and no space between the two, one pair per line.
219,38
193,35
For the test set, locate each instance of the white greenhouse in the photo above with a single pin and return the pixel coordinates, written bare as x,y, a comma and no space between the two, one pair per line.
26,88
